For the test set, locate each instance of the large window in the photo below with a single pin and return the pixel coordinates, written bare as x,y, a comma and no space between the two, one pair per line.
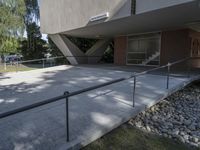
144,49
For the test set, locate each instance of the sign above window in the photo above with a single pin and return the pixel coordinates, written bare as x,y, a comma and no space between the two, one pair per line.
100,17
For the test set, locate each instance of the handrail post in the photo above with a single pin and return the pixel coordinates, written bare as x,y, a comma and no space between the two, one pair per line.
67,115
17,66
5,67
189,68
168,74
42,63
134,88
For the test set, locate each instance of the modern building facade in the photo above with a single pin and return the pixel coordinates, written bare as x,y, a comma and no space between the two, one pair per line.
145,32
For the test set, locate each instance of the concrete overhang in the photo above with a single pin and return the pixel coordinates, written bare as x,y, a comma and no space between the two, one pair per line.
175,17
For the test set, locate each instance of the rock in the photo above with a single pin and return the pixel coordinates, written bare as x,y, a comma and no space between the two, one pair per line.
154,118
186,137
187,122
165,135
175,117
195,140
148,128
169,125
176,131
194,144
198,125
177,122
182,133
139,124
192,127
181,139
152,109
164,130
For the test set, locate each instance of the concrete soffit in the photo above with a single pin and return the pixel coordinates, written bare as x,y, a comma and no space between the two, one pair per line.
122,10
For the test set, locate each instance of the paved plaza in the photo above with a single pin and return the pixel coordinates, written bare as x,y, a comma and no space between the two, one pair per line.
91,114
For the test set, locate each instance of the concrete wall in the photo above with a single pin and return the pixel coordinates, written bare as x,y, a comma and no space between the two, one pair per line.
149,5
64,15
120,47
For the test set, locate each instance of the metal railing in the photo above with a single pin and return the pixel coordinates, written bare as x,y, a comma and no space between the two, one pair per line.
67,94
43,62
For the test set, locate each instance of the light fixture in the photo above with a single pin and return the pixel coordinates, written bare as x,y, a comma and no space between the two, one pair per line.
99,17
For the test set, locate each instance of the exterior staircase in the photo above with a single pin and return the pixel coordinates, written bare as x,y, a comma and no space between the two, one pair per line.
151,58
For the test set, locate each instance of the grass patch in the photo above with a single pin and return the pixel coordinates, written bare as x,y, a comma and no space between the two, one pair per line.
22,67
128,137
15,69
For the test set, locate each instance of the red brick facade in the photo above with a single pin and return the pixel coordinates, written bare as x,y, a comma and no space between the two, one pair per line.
175,45
195,47
120,50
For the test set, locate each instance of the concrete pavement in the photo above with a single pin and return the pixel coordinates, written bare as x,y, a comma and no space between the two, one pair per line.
92,114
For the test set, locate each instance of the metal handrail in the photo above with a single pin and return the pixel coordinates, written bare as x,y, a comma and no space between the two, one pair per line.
18,62
42,59
57,58
51,100
68,94
161,67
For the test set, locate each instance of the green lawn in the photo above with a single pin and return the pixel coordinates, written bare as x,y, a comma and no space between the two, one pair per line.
128,137
22,67
14,68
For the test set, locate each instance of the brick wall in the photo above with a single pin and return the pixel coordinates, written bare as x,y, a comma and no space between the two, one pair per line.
176,45
120,46
195,47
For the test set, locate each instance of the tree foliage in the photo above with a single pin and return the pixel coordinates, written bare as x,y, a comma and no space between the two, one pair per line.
18,16
31,18
32,15
37,48
11,22
108,56
82,43
10,46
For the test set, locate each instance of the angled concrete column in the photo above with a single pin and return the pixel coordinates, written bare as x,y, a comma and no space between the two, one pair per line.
97,50
70,50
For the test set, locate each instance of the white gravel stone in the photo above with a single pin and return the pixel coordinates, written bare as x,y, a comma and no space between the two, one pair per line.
175,117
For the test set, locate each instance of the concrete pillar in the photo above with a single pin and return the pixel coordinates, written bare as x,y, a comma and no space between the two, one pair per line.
96,52
70,50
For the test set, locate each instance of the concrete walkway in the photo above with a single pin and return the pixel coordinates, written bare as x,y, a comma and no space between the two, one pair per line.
92,114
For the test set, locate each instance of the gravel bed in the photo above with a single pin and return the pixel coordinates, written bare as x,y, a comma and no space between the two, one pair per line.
176,117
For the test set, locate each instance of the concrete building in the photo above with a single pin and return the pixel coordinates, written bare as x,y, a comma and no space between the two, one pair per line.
145,32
